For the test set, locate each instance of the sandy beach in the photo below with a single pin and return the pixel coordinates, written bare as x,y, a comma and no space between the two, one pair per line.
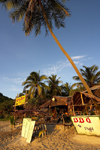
57,138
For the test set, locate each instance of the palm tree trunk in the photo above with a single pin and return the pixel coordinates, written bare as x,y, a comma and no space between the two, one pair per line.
65,53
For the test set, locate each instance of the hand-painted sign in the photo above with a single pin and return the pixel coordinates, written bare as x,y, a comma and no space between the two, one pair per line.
20,100
89,125
30,131
27,129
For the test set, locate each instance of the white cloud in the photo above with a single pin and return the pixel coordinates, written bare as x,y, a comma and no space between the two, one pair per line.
78,57
13,80
16,89
62,64
76,62
90,58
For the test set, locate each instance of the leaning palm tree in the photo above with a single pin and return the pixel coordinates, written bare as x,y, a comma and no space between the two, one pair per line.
90,75
34,84
53,84
39,13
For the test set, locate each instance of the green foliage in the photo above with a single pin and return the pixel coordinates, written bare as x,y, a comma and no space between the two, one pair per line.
12,120
92,113
32,13
7,116
67,119
78,89
35,84
33,102
1,116
53,84
90,75
3,98
6,106
65,89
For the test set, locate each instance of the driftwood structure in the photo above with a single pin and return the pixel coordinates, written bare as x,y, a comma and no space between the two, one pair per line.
84,102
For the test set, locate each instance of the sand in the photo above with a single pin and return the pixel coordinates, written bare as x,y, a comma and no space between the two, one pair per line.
57,138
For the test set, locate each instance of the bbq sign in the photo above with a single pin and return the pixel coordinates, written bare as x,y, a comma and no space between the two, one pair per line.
20,100
89,125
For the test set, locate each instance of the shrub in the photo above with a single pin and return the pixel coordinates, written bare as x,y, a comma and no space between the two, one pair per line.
12,120
7,116
1,116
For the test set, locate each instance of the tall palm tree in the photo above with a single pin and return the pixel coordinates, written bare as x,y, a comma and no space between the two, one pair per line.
90,75
34,83
39,13
53,83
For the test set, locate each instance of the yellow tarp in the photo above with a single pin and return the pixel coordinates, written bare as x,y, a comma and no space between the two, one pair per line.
20,100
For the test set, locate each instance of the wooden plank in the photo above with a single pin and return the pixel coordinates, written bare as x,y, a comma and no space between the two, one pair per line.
25,127
30,131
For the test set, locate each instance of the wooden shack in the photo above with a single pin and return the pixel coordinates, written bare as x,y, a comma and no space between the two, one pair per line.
45,107
83,103
95,90
60,104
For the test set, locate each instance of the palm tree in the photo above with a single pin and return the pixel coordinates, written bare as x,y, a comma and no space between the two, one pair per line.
65,89
53,84
34,83
90,75
39,13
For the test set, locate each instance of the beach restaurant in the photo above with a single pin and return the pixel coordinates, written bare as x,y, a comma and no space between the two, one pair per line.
60,104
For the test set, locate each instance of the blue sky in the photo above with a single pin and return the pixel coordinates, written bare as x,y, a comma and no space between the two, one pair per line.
20,55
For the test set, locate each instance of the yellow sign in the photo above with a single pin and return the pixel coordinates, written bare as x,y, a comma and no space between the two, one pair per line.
89,124
20,100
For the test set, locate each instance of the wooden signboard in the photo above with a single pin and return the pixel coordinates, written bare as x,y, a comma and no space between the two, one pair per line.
25,126
30,131
20,100
89,124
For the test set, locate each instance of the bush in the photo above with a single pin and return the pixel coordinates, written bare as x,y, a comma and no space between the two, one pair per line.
92,113
7,116
1,116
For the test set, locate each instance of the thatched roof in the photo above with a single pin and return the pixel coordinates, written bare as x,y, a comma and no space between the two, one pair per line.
94,88
60,101
80,98
45,105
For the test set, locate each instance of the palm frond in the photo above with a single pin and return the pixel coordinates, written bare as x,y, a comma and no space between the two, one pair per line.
76,78
32,13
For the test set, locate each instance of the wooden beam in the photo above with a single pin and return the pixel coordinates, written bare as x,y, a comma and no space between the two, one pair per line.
82,99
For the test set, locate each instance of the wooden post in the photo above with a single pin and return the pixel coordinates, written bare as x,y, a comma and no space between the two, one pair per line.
73,110
15,102
49,110
82,99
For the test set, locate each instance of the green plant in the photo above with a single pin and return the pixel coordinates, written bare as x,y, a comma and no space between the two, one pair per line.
12,121
1,116
92,113
7,116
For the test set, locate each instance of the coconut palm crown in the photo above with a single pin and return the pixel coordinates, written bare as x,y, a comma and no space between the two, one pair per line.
34,83
53,83
31,11
90,75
